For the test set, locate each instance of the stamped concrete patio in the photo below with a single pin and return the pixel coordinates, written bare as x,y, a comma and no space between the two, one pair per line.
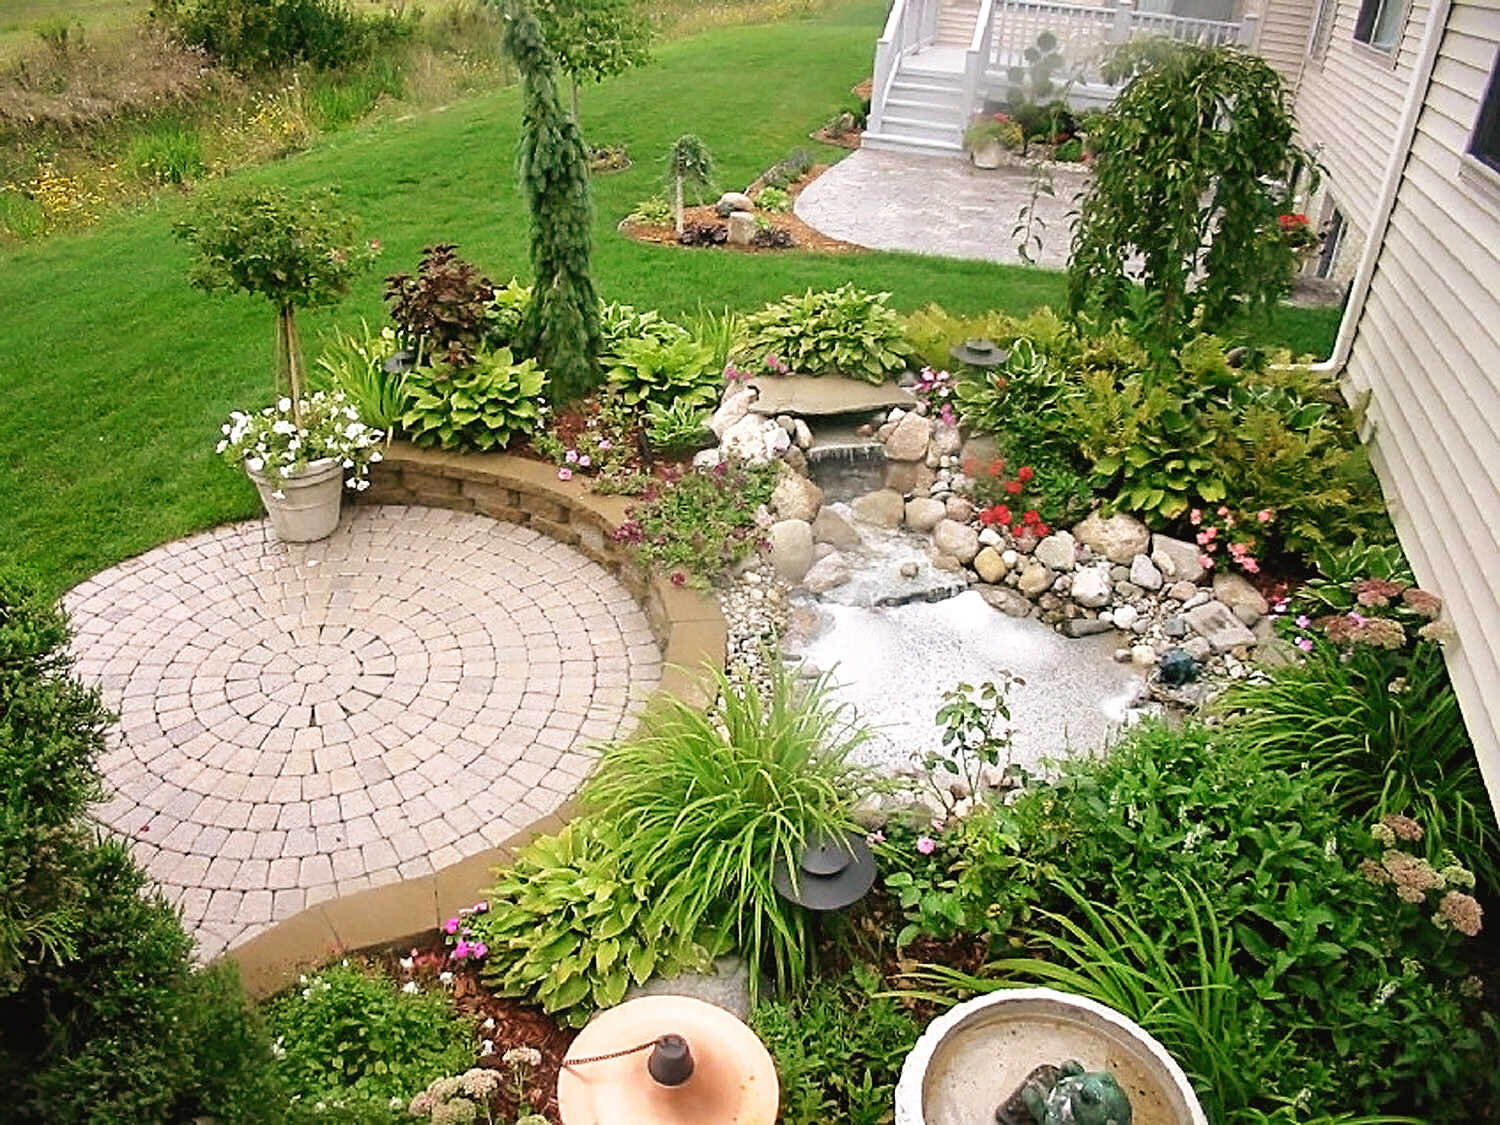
303,722
937,205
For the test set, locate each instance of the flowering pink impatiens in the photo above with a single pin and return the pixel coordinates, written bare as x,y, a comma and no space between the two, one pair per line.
926,845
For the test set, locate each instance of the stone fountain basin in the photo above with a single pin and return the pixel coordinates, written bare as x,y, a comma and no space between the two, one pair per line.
971,1058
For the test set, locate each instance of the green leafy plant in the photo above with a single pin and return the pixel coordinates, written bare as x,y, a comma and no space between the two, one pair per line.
689,163
707,802
297,251
561,326
698,525
594,39
788,170
838,1050
1069,152
354,1041
843,331
1193,166
654,211
261,35
354,366
619,324
995,129
506,313
679,428
484,406
647,371
1033,80
169,154
773,199
569,925
717,331
932,332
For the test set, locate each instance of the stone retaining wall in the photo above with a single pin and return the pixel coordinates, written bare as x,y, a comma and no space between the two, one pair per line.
689,630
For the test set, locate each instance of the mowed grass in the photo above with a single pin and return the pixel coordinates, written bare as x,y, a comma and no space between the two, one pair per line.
117,375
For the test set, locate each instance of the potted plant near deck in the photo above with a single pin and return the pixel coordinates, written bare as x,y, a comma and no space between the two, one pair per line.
297,251
990,137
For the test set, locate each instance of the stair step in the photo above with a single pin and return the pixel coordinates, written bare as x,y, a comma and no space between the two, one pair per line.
906,86
895,143
907,108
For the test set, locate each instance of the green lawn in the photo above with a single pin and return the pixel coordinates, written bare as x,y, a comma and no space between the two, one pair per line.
117,375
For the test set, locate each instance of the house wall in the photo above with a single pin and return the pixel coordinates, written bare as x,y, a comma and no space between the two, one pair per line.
1427,348
1284,28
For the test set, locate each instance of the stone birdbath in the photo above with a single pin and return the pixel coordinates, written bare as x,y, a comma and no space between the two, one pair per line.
973,1057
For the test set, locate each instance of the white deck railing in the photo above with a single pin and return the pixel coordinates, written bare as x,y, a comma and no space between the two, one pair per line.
908,28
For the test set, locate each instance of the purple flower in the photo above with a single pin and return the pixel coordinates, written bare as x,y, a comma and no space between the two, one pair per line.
1303,621
478,950
481,907
926,845
461,950
1305,644
451,925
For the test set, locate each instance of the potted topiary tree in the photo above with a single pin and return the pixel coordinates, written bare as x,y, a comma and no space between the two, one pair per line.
297,251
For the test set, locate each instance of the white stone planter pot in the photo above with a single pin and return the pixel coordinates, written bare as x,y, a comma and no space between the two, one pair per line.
988,155
971,1058
309,509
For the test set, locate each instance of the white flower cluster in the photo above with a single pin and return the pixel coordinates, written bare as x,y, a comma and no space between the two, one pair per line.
271,444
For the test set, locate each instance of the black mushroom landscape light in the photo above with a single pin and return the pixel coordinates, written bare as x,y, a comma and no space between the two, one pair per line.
980,353
832,872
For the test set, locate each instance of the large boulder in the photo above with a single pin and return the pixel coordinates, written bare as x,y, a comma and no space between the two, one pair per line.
832,527
796,498
956,539
827,573
1216,623
1057,551
1244,599
736,201
907,441
1119,538
908,477
924,513
741,228
1091,586
1177,561
791,548
885,508
735,405
754,441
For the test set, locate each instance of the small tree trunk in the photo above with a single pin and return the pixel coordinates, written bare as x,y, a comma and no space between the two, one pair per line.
575,99
678,181
289,359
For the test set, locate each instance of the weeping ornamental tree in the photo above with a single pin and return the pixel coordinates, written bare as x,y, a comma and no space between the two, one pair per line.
1195,163
594,39
561,324
688,162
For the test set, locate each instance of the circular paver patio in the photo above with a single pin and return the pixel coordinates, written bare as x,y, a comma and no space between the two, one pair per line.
300,722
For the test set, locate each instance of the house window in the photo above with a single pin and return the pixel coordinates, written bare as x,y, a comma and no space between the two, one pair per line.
1484,145
1380,22
1322,29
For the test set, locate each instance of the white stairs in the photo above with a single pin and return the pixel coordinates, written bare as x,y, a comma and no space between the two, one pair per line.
923,111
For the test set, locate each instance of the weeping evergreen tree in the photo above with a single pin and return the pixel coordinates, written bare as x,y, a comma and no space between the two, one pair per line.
561,324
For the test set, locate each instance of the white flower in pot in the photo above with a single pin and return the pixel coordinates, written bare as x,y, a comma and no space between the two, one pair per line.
297,251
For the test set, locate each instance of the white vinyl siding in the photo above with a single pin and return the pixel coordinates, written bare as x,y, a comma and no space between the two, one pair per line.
1282,41
1428,350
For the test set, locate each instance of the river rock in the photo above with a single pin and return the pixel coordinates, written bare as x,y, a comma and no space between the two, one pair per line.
1006,600
1143,573
942,560
956,539
802,436
791,548
989,537
1035,579
1125,616
1091,585
1143,656
909,477
736,201
1182,591
1178,561
909,570
946,440
960,509
754,440
1119,538
707,458
1198,648
1057,551
924,513
826,574
908,440
989,565
796,498
1085,626
1245,600
735,406
883,509
832,527
1216,623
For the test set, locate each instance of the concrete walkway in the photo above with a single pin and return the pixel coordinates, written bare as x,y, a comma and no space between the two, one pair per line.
301,722
933,205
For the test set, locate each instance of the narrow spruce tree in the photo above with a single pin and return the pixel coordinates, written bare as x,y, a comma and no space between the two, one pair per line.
561,325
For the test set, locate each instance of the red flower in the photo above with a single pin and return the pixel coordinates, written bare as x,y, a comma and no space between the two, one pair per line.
1032,516
970,466
678,578
997,466
1013,487
1025,473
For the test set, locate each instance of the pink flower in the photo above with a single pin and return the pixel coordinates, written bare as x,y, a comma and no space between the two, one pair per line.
451,926
481,907
564,473
478,950
1264,515
1201,537
584,462
1250,565
926,845
605,445
1223,511
571,456
1303,621
876,837
1205,562
1195,517
1305,644
460,950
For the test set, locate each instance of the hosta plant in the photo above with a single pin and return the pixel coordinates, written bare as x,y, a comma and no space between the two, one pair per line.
621,323
569,927
270,443
678,428
647,370
844,331
484,406
505,313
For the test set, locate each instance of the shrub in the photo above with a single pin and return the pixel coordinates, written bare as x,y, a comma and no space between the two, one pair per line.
647,371
354,366
252,35
773,199
997,130
568,927
506,313
932,332
703,234
844,331
445,310
706,803
772,238
484,406
788,170
838,1050
697,526
1240,929
356,1043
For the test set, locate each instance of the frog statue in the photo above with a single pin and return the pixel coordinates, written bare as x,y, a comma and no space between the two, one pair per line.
1066,1095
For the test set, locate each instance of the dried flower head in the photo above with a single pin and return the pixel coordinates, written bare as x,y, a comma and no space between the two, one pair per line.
522,1056
1460,911
1383,834
1404,827
1411,874
1439,631
479,1082
1420,601
1382,632
1376,591
1374,872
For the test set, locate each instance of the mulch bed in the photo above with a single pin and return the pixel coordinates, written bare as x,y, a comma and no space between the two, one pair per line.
849,140
807,238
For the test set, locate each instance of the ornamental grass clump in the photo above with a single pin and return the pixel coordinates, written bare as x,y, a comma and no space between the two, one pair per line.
707,802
